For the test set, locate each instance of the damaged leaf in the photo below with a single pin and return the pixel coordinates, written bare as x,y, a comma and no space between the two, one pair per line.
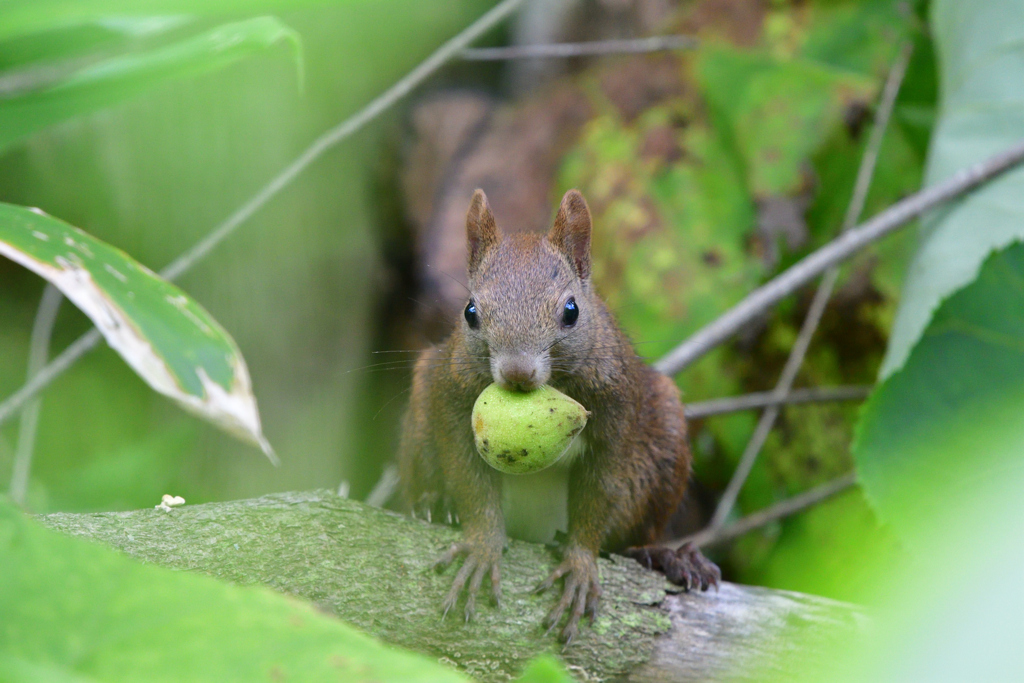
165,336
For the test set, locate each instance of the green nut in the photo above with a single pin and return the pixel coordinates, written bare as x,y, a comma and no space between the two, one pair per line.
524,432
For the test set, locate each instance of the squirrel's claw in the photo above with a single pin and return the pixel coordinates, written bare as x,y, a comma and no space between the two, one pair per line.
547,583
449,555
701,572
478,564
686,567
581,593
496,584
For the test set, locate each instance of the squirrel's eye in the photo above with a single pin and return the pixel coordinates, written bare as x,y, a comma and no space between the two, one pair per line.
471,316
570,313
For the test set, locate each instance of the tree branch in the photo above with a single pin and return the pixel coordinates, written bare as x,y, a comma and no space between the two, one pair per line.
733,404
593,48
836,251
372,568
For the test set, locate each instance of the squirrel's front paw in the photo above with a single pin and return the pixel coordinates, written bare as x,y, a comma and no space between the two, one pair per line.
581,591
686,567
481,560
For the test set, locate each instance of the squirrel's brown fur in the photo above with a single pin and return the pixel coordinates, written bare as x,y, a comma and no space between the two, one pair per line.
633,473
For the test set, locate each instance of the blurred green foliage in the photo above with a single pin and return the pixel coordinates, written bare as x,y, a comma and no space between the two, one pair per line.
948,411
41,95
939,454
683,196
296,286
980,55
939,444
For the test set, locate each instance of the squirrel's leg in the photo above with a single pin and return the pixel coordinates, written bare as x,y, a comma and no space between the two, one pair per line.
666,448
475,489
592,506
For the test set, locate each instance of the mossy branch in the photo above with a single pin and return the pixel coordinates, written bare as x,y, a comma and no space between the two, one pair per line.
372,568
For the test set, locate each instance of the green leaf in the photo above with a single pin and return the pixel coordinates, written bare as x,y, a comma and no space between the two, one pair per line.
97,38
545,669
166,337
26,17
75,611
951,418
981,54
112,80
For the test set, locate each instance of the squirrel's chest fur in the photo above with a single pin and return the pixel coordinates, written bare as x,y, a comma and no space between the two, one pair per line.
536,506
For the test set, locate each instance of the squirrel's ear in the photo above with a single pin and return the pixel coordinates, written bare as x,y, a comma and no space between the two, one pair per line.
571,232
481,230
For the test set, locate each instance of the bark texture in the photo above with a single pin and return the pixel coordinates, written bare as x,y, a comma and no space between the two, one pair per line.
372,568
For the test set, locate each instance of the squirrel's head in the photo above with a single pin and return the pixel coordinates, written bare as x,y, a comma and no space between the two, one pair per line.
529,309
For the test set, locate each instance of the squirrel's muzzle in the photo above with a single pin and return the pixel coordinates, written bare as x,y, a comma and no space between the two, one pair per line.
518,372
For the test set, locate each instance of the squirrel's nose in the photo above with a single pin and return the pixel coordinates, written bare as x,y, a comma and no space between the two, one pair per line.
518,376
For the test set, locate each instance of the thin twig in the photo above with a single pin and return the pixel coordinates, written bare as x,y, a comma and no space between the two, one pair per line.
39,351
764,399
865,173
762,518
332,137
587,49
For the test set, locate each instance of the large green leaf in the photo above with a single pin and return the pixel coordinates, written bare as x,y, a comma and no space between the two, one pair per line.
166,337
981,54
63,45
76,611
952,418
940,452
112,80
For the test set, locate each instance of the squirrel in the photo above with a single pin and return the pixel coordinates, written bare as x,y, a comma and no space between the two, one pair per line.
533,318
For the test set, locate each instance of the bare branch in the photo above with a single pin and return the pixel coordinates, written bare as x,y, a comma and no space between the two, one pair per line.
796,355
764,399
587,49
762,518
329,139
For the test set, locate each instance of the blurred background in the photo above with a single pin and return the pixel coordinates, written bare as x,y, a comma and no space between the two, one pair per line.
708,170
297,287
